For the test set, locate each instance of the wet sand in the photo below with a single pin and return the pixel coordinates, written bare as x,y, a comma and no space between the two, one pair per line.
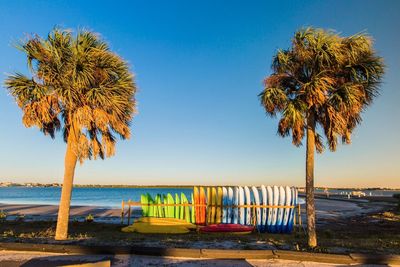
49,212
327,208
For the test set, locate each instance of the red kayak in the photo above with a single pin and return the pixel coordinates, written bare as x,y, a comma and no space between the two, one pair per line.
227,228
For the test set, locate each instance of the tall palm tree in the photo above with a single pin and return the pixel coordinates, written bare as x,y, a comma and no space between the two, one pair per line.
78,85
322,83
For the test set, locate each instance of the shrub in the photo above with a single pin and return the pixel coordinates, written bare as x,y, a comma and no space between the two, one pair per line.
89,218
3,215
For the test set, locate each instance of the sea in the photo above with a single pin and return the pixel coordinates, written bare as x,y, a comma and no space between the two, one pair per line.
82,196
112,197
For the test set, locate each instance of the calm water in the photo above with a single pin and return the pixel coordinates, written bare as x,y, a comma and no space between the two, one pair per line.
107,197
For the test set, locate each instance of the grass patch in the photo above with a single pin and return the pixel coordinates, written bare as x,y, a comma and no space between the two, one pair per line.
374,233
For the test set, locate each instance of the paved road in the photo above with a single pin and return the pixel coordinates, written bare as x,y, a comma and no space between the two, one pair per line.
27,259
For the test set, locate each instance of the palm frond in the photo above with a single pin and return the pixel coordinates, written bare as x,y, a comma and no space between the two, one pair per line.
79,81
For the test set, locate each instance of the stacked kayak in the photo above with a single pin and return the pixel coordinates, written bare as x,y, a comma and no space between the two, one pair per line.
223,209
269,209
151,225
200,207
167,206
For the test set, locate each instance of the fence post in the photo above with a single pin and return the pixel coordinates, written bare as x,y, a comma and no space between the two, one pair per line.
254,216
299,208
295,212
129,212
122,212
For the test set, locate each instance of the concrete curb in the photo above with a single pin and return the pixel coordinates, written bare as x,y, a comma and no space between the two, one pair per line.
314,257
206,253
236,254
371,259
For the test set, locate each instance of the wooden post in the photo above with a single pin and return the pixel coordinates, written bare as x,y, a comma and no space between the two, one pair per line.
295,215
129,212
300,222
254,217
122,212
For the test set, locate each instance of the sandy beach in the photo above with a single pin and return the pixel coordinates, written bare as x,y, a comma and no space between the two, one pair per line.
49,212
326,210
15,258
341,228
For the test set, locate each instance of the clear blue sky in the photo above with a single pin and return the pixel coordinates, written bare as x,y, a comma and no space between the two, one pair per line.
199,66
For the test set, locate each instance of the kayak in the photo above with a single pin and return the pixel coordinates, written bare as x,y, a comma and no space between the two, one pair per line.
151,225
202,202
147,228
227,228
196,201
165,221
218,210
144,201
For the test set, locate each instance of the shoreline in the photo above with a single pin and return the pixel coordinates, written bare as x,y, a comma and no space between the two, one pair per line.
58,185
45,212
326,211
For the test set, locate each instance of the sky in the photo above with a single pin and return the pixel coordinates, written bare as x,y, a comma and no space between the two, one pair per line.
199,66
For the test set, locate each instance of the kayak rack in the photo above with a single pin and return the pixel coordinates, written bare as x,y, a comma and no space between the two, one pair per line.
131,204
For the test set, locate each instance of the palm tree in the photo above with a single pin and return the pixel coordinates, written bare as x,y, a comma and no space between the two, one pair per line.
322,83
80,86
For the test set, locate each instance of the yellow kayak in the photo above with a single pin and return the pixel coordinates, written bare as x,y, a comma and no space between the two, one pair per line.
213,203
152,225
147,228
218,212
209,221
165,221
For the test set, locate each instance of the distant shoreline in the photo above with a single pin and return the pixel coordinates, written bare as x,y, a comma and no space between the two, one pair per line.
102,186
9,184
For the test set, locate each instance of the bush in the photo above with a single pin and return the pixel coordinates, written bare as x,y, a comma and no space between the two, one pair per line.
3,215
89,218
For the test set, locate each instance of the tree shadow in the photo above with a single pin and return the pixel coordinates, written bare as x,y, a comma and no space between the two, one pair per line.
152,260
125,260
65,260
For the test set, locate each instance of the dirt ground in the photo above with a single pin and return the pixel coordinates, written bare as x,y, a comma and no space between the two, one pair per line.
373,232
26,259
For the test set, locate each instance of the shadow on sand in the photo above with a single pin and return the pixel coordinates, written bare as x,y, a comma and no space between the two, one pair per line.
139,260
121,260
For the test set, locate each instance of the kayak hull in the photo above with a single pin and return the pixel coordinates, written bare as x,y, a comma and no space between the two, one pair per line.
226,228
151,225
145,228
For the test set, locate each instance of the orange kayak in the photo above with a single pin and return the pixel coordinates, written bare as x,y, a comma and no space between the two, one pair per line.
203,207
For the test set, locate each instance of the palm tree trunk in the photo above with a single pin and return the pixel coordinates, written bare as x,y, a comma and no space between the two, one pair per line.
65,201
310,205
